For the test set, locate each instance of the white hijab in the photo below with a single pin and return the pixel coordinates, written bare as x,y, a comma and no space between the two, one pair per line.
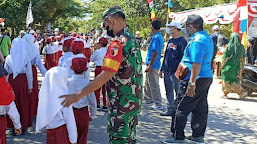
32,49
19,56
55,84
87,43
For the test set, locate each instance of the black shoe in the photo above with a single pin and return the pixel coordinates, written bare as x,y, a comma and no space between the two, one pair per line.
165,114
104,108
98,107
196,139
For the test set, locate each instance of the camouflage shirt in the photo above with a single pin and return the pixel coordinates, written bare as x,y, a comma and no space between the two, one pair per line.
125,87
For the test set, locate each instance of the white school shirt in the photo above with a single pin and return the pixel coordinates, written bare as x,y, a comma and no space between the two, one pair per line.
59,47
76,83
13,113
49,49
67,64
64,57
37,60
65,116
55,47
26,70
98,56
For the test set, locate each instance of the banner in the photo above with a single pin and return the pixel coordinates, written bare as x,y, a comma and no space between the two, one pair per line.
252,18
223,14
29,19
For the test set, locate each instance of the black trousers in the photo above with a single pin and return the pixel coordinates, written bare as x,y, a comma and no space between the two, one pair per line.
184,105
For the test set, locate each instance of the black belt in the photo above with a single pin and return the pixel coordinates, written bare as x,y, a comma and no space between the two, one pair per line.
98,66
2,116
80,108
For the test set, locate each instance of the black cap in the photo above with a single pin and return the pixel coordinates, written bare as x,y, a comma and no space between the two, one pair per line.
194,19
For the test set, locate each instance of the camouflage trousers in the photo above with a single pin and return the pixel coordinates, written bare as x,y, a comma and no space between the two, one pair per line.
232,88
122,130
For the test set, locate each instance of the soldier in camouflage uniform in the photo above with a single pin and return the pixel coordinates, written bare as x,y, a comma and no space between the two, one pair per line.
122,66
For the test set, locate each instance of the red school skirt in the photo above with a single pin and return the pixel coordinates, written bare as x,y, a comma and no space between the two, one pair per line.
22,100
49,61
34,94
87,53
57,136
3,124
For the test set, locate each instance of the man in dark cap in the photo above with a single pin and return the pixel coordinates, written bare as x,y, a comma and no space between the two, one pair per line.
192,97
122,69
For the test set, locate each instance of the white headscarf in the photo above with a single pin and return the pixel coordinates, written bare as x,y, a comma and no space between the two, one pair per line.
31,47
19,56
55,84
87,43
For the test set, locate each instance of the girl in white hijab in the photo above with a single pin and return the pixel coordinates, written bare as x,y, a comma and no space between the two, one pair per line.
36,61
59,120
19,70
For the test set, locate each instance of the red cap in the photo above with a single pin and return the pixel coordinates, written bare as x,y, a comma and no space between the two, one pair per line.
53,38
67,42
103,40
77,46
78,36
86,37
48,40
74,34
79,64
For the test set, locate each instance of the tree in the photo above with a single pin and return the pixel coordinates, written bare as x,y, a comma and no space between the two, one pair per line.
44,12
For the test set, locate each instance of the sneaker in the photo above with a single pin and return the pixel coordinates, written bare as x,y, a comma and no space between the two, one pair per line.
154,108
98,107
104,108
196,139
166,114
147,103
170,140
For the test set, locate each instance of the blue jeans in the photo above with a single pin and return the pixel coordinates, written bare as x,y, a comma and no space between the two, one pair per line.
171,85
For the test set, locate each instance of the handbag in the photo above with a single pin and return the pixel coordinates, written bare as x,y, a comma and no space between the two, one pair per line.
182,71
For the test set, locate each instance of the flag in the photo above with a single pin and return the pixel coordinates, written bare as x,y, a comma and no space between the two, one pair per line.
170,4
151,6
153,14
244,39
29,19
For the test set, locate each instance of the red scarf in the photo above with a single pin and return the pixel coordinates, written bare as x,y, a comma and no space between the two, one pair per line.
6,92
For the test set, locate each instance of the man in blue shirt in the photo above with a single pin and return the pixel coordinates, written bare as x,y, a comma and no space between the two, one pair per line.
192,97
173,55
153,61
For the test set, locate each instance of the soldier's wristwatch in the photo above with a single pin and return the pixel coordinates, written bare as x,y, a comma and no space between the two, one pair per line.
191,84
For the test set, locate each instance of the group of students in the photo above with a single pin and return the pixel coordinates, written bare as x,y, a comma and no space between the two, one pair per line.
68,72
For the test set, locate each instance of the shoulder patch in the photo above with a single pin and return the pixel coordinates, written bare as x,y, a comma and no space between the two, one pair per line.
123,40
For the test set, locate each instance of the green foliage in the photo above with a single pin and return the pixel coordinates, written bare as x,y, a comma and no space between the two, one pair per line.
44,12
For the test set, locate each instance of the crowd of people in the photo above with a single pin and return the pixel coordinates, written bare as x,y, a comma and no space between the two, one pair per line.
67,100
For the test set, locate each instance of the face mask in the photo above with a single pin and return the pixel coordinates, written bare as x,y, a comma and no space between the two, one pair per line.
109,32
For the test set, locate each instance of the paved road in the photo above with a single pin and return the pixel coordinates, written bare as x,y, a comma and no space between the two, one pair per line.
231,121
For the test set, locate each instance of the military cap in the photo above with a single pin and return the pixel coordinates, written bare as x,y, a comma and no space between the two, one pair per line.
111,11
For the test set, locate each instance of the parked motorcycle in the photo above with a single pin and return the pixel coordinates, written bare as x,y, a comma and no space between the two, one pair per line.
249,78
